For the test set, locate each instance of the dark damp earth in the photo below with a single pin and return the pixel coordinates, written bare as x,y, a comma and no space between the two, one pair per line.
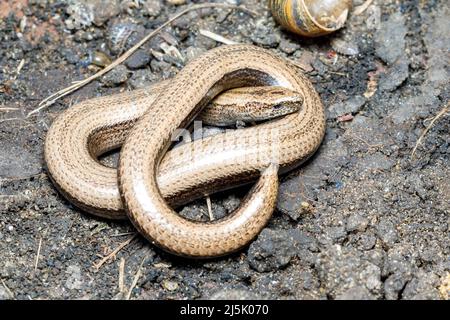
364,219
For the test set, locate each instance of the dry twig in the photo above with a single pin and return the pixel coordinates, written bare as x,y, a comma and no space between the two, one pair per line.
36,261
136,278
208,204
113,253
440,114
122,275
216,37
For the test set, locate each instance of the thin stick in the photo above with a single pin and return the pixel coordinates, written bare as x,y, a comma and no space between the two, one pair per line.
121,275
216,37
440,114
122,234
36,261
360,9
75,86
208,204
6,109
11,294
136,279
114,252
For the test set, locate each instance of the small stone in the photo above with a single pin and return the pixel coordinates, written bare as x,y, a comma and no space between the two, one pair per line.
169,285
75,279
356,222
138,60
386,232
116,76
85,12
265,36
153,7
193,52
337,234
390,39
104,10
423,286
394,284
356,293
231,203
344,47
288,46
142,78
395,76
351,106
272,250
159,66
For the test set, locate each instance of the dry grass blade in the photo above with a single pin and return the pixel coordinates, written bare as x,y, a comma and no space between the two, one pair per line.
433,121
36,261
77,85
136,278
113,253
208,204
216,37
122,275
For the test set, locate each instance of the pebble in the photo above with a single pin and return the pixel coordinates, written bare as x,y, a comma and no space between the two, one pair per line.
274,249
351,106
393,285
142,78
390,39
265,36
82,13
395,76
153,7
386,232
288,46
116,76
138,60
169,285
356,222
75,278
423,286
356,293
344,47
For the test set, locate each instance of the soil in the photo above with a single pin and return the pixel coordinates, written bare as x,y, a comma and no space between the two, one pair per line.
363,219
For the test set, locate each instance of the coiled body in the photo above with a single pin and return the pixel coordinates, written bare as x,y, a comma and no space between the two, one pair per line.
147,172
95,126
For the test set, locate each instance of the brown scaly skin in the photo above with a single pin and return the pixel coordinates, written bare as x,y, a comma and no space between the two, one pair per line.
242,155
95,126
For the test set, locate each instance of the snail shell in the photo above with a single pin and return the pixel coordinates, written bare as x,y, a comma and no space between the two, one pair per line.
311,18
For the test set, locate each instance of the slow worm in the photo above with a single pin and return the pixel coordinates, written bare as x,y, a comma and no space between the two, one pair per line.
147,172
